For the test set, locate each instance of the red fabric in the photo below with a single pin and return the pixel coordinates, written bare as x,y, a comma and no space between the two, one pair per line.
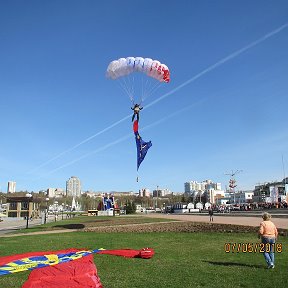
80,273
135,126
166,76
144,253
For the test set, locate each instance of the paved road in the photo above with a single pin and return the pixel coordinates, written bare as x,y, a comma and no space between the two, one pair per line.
12,224
223,219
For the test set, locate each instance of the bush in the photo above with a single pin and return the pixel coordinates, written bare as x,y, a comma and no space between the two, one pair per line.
130,207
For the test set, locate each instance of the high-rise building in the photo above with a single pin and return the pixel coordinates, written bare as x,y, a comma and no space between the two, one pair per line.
51,192
73,187
11,187
144,192
206,189
161,192
201,186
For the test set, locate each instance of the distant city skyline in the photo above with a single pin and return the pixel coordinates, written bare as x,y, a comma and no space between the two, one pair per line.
73,187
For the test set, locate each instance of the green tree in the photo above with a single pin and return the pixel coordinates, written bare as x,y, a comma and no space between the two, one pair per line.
130,207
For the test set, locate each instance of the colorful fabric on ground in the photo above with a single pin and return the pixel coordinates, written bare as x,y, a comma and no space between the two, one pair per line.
80,273
6,259
64,268
144,253
30,261
33,260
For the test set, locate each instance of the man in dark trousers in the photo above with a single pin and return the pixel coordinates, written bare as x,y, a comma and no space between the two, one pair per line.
210,211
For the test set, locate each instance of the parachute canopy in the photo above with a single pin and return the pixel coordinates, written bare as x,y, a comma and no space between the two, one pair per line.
138,86
125,66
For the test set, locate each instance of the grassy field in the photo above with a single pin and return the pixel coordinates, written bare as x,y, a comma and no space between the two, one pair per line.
181,259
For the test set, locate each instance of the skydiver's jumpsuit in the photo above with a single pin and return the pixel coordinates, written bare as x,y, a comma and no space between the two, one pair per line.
136,110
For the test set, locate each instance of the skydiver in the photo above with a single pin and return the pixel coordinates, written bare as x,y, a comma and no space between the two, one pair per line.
136,110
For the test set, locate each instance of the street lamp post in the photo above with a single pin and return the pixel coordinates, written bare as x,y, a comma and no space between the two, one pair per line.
56,210
46,210
157,192
28,196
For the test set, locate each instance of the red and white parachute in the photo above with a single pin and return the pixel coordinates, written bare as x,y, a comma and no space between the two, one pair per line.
124,70
125,66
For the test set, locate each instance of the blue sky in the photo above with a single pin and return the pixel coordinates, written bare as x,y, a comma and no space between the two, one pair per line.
225,108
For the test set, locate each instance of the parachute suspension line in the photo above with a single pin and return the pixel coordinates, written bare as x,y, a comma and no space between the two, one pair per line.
142,90
129,82
156,85
126,89
146,86
152,89
133,81
121,83
128,85
155,88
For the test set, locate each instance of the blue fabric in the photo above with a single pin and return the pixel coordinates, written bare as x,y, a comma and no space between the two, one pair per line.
142,148
269,250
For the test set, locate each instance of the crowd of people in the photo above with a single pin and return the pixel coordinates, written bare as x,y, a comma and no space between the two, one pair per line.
227,208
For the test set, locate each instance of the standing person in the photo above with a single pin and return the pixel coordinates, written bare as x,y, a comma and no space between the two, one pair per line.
136,110
268,234
210,211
